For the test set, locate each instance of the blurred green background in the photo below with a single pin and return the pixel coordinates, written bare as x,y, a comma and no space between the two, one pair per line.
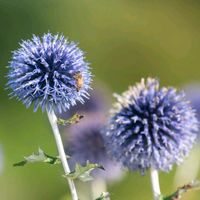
124,40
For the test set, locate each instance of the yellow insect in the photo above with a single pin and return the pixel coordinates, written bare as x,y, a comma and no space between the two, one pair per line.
79,81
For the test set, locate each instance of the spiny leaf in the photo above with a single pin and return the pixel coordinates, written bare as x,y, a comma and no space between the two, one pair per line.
40,156
104,196
181,190
72,120
21,163
83,173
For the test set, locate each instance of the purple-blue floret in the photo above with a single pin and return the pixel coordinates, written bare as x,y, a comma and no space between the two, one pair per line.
44,72
151,127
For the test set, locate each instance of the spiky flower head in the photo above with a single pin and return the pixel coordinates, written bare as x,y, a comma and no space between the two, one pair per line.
49,72
85,143
151,127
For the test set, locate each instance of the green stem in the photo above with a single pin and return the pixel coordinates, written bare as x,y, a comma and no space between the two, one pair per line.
155,184
53,121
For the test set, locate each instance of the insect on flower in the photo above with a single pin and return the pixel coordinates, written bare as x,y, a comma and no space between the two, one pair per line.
79,81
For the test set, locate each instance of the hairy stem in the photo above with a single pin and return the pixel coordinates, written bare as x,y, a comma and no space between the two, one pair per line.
155,184
53,121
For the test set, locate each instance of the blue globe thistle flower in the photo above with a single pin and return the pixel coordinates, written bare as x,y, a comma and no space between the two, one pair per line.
85,143
151,127
49,72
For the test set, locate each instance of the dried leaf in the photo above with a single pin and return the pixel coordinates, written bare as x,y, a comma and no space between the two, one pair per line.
181,190
73,120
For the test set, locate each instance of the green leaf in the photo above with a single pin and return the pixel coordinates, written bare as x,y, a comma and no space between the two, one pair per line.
104,196
72,120
181,190
40,156
83,173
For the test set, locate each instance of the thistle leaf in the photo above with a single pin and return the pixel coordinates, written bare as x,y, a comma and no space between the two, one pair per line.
104,196
21,163
83,173
181,190
72,120
40,156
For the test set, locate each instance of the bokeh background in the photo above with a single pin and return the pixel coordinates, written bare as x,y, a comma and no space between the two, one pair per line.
124,40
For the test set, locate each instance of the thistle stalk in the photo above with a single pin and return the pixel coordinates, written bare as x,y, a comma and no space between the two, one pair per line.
155,184
53,121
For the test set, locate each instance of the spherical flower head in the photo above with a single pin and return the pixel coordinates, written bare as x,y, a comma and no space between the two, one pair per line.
151,127
85,143
49,72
